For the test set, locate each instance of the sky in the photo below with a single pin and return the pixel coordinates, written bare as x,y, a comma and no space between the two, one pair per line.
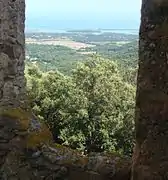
78,14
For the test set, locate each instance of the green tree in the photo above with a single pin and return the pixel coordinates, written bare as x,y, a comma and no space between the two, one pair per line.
91,110
110,105
54,98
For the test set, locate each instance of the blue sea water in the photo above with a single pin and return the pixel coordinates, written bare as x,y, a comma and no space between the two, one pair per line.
60,26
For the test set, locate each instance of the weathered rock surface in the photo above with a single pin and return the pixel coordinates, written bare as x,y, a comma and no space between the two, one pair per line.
150,159
27,152
12,52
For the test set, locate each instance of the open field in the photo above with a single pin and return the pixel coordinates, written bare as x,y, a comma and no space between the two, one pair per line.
89,52
62,42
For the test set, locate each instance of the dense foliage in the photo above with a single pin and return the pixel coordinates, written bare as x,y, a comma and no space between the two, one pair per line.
92,107
49,57
87,36
64,59
124,53
91,110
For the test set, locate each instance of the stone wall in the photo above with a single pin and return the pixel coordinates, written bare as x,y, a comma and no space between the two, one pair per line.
12,52
150,159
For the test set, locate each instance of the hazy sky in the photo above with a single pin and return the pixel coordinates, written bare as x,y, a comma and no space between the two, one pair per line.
83,10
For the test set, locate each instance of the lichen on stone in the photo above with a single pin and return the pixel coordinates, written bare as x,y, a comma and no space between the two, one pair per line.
39,137
37,132
66,155
19,115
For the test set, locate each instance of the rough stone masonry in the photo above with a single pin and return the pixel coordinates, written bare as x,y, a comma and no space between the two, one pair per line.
12,52
150,159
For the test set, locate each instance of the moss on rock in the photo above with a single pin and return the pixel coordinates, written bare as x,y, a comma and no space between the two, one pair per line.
39,137
68,156
37,132
21,116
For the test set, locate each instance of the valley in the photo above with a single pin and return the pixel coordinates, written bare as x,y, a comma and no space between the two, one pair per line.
62,50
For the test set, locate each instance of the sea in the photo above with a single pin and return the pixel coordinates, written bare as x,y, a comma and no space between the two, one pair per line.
102,26
101,31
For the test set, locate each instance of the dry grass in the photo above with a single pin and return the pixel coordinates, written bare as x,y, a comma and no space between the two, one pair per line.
63,42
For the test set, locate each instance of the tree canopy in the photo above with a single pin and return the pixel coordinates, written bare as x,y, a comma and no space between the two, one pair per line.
91,110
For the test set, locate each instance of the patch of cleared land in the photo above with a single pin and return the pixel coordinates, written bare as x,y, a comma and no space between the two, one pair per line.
122,42
90,52
62,42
